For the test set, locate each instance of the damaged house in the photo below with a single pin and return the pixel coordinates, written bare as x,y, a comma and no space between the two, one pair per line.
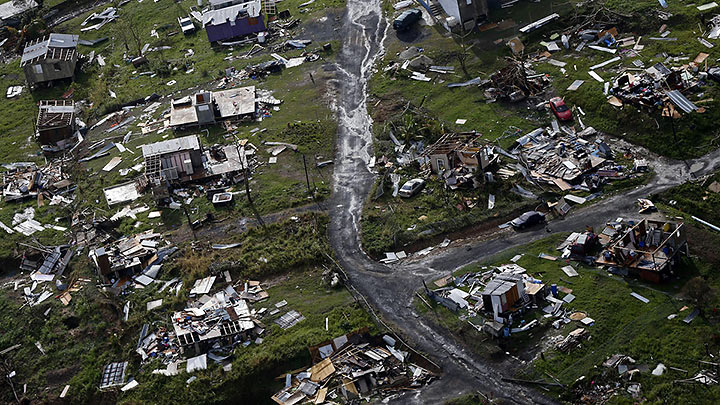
175,159
124,258
56,128
204,108
648,249
50,58
235,21
466,149
222,318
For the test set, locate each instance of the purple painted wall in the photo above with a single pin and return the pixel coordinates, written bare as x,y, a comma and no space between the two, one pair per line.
241,28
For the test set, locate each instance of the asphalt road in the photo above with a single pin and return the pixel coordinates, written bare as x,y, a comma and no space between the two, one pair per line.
390,289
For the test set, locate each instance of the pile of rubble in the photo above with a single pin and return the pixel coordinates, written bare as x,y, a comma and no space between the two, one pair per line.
138,257
515,82
27,180
354,367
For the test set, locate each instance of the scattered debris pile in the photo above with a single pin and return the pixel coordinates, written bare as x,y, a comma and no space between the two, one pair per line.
27,180
121,260
515,82
352,367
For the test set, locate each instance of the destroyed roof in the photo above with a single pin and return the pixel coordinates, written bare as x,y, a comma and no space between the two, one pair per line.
223,15
55,113
450,142
190,142
235,102
54,46
13,8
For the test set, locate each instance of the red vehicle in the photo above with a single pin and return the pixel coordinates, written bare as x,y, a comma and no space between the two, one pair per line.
561,111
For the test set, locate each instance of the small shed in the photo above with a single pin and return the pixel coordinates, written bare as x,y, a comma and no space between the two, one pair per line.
50,58
502,292
56,128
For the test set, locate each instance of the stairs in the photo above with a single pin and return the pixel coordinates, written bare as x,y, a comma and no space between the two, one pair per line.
436,9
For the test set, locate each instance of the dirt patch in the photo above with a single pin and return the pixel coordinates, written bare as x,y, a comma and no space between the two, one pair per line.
61,376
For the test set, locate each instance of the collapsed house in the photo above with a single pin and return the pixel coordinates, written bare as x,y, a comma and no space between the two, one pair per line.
354,366
219,320
648,249
56,127
458,157
50,58
174,159
656,87
122,259
467,149
26,180
233,22
204,108
568,161
45,263
501,292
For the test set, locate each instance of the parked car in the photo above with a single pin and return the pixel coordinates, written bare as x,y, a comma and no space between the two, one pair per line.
411,187
561,111
407,19
527,220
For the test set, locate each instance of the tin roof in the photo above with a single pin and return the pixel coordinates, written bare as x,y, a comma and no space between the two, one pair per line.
40,48
190,142
223,15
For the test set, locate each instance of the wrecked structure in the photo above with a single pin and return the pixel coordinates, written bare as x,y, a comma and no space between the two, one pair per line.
222,319
174,159
122,259
467,149
355,366
206,107
648,249
502,293
50,58
56,125
27,180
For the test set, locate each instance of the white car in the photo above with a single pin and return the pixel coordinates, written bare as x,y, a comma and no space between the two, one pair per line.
411,187
186,25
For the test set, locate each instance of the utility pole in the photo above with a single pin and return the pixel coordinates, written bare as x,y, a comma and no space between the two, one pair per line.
246,174
307,179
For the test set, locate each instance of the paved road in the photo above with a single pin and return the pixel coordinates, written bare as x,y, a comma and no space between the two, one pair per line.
390,289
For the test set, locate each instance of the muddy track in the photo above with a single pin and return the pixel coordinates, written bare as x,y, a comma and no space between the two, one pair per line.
390,289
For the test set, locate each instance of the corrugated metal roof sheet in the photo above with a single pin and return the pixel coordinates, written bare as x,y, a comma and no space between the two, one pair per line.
12,9
52,41
681,101
191,142
221,16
